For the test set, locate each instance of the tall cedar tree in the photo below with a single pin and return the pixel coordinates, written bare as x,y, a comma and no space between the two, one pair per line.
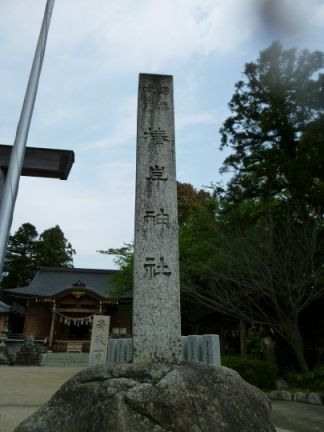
21,258
276,130
27,252
53,249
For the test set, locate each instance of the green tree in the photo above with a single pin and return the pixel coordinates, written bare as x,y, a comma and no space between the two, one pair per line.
265,274
190,200
276,130
53,249
21,258
122,282
27,251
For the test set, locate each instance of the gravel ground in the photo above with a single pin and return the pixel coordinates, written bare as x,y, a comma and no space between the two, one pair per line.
24,389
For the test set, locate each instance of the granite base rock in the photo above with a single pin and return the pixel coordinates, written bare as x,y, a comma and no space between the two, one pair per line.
154,397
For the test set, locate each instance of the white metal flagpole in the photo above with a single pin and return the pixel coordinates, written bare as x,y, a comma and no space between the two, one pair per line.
10,189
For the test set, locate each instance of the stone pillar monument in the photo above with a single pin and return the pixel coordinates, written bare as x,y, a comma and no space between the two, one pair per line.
156,303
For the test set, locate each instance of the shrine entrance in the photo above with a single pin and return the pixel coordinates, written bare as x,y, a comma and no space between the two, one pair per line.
76,332
59,308
72,317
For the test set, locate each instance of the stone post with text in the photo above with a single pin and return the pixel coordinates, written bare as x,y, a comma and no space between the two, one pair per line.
156,301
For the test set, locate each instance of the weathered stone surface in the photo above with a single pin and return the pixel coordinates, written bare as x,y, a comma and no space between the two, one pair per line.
281,384
156,295
99,340
300,397
280,395
155,397
3,359
314,398
29,354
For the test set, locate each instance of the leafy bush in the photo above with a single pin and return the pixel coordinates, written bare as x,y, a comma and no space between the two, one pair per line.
254,341
312,380
259,373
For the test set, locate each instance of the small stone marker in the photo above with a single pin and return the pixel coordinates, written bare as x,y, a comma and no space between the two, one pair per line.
184,347
156,301
99,340
112,349
120,350
210,349
194,348
129,350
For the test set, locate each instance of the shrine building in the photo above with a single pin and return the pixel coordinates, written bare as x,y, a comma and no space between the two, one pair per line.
61,302
4,316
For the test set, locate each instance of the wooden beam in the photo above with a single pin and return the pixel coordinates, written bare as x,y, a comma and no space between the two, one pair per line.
41,162
77,310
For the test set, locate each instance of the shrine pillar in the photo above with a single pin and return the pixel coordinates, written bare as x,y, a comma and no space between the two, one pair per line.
52,325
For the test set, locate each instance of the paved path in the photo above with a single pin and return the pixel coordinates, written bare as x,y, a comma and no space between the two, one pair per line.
24,389
298,417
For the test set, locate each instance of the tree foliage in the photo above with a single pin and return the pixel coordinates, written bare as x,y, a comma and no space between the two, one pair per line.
276,130
190,200
21,257
254,249
267,275
260,258
266,246
121,282
53,249
27,251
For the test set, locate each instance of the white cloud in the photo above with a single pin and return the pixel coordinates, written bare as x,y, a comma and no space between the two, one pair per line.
123,130
318,16
95,210
185,120
128,34
87,99
154,33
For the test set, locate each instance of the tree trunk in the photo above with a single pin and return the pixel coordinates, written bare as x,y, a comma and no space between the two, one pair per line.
295,341
243,341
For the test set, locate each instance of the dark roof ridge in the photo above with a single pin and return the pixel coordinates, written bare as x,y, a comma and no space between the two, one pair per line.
77,269
48,281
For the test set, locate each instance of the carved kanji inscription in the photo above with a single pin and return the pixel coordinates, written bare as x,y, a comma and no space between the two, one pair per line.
154,268
157,217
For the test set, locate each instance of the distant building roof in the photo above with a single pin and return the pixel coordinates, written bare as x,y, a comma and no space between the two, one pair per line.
4,308
49,282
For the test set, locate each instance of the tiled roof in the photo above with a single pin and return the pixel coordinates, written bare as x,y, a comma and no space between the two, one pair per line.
48,282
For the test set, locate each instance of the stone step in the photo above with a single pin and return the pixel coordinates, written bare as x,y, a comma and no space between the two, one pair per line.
66,359
70,365
68,355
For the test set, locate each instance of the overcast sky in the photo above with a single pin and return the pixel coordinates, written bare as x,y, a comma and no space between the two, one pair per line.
87,97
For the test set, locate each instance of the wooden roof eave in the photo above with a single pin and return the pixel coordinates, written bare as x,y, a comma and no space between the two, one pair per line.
46,299
70,290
